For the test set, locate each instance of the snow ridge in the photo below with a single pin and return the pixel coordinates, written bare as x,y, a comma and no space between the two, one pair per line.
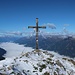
38,63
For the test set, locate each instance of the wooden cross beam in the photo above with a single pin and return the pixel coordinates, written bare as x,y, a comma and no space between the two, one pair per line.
36,27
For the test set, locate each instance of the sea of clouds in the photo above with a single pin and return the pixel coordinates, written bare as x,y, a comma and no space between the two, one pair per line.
14,49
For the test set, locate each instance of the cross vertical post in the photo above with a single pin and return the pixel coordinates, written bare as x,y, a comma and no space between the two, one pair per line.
36,33
37,28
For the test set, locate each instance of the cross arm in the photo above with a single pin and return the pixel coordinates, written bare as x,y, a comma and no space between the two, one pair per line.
31,27
41,26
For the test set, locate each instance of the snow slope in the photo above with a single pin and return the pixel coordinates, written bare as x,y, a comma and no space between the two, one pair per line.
38,63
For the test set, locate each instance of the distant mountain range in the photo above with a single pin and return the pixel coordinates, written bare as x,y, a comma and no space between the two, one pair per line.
61,45
7,38
64,45
43,41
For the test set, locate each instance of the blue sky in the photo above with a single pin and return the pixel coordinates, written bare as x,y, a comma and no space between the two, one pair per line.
16,15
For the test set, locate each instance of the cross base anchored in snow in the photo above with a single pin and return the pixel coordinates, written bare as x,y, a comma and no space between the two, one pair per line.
37,27
37,50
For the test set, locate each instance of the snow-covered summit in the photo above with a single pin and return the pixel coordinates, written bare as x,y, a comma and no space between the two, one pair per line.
38,63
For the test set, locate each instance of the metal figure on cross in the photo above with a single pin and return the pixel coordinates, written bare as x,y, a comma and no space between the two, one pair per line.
37,28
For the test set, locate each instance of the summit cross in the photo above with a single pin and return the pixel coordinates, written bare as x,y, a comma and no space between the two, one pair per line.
37,28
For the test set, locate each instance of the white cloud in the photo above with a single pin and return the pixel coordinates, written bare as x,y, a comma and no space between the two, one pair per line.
50,25
65,25
65,28
14,49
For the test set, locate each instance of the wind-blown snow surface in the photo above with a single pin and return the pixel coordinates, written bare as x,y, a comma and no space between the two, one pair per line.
36,63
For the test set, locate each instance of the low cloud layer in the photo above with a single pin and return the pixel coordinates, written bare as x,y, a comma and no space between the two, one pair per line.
14,49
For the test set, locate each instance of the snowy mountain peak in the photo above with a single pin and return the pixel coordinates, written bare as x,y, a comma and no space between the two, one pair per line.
38,63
